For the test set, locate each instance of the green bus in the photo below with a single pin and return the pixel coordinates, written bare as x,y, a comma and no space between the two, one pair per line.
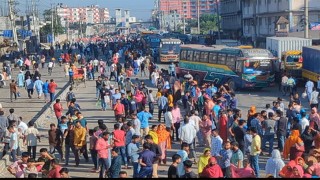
238,67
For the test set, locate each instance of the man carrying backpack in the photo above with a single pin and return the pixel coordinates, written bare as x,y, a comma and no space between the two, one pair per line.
70,95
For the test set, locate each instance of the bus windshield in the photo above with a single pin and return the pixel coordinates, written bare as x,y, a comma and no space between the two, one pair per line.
257,66
293,59
170,49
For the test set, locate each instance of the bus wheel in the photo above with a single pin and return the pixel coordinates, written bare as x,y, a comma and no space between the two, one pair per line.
231,84
198,79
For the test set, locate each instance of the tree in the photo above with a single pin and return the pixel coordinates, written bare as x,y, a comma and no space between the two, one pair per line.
57,27
207,22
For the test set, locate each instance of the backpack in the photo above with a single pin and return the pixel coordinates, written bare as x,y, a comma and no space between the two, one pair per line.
70,96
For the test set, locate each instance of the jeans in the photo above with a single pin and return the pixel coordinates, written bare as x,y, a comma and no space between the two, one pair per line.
123,154
30,92
200,138
103,104
34,151
281,139
192,149
145,172
151,108
13,154
51,97
176,131
270,139
136,169
67,152
94,157
84,151
254,161
103,162
98,92
58,148
159,115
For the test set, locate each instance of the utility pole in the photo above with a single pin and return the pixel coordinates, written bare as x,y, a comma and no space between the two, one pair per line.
52,31
34,18
175,20
218,18
306,14
198,5
184,17
12,17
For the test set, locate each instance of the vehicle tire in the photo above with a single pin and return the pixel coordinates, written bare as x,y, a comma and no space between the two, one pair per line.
231,84
198,79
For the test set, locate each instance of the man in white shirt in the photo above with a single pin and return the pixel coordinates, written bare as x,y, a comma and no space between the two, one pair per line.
168,119
30,139
195,121
188,134
95,65
113,70
309,87
314,98
304,121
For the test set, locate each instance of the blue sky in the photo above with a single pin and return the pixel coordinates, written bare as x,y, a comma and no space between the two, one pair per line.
138,8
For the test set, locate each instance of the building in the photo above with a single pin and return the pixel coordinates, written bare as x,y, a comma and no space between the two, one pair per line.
91,14
171,21
231,18
261,17
187,8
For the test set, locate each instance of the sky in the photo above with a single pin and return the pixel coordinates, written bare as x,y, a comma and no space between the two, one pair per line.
138,8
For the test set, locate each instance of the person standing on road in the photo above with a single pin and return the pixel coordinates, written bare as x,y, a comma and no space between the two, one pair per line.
30,139
70,95
269,126
52,89
20,79
38,87
255,151
13,116
45,88
13,90
13,143
162,106
314,98
80,143
309,87
29,86
144,116
68,140
146,161
102,147
188,134
119,142
58,109
55,140
133,153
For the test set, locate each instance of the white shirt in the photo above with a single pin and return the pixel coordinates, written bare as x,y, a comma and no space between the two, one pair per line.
195,121
168,118
31,134
304,122
137,126
23,126
314,97
187,133
95,62
50,64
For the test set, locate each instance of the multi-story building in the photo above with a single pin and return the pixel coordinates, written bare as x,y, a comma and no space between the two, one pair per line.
187,8
91,14
260,17
231,17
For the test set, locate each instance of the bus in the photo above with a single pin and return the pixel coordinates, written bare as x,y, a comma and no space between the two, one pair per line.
169,50
239,68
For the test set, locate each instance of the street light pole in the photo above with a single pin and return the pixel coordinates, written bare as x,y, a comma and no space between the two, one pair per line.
306,14
198,5
52,31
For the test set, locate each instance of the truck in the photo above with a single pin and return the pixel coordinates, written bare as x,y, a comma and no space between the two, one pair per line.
289,51
311,63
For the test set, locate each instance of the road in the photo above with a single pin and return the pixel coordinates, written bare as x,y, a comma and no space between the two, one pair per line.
86,99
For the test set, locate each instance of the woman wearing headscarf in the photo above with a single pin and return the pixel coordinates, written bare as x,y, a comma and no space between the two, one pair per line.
164,142
314,119
203,160
293,146
251,112
307,138
246,172
300,161
274,164
286,171
153,134
212,170
297,172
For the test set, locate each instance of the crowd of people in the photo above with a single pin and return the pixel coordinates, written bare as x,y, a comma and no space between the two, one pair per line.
191,115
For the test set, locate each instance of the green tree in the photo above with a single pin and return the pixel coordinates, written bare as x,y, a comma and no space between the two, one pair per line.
207,22
57,27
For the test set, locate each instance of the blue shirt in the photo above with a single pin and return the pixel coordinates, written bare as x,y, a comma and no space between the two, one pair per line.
83,122
216,109
255,123
144,118
147,157
45,88
209,92
226,157
115,97
29,84
133,152
163,102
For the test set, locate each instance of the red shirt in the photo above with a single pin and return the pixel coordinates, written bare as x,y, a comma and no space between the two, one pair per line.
118,109
120,137
57,107
101,147
54,173
52,87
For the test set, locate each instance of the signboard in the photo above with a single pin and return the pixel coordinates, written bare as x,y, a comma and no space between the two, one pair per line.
256,53
171,42
315,26
282,34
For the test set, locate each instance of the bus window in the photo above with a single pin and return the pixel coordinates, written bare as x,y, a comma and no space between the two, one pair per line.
204,57
213,58
190,56
196,56
239,66
222,59
231,62
183,55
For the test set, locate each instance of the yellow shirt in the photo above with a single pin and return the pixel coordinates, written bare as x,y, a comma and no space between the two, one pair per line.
79,137
158,95
256,141
154,136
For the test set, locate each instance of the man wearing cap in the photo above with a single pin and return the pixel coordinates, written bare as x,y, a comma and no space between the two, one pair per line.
18,167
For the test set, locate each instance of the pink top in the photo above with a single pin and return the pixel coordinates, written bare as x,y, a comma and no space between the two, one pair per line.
139,96
120,137
315,168
27,62
176,115
205,127
102,148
